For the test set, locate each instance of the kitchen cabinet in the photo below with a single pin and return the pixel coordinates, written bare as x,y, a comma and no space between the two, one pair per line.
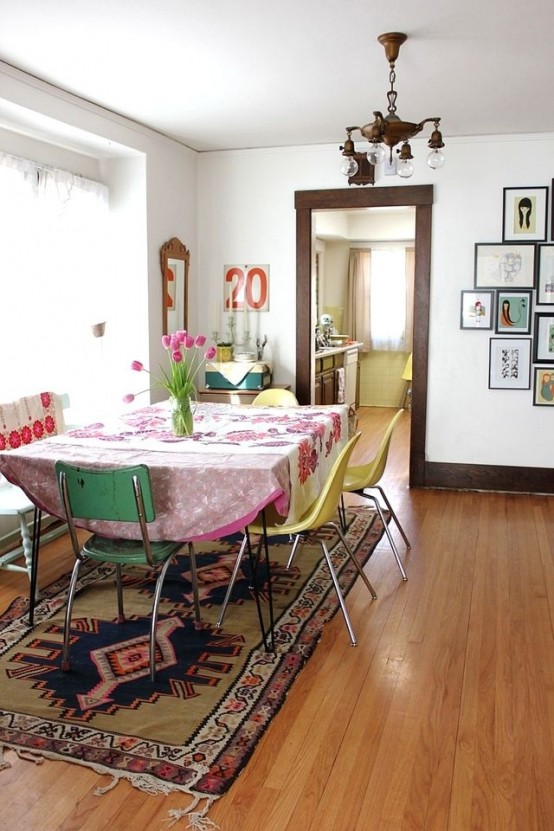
328,364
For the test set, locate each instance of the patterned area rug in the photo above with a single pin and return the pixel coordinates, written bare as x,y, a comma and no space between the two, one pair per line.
216,691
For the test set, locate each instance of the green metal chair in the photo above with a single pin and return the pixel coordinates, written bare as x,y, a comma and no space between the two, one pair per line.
116,495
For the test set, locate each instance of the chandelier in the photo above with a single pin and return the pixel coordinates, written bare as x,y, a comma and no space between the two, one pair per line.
390,130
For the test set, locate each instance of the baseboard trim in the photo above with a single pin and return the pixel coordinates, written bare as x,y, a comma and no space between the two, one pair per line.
538,480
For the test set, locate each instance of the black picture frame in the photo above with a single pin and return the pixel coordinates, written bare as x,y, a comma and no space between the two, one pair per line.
510,363
543,386
477,309
525,214
504,265
513,311
545,274
543,338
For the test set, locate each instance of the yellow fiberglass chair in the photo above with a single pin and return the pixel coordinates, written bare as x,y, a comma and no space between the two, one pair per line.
275,397
322,513
360,479
116,495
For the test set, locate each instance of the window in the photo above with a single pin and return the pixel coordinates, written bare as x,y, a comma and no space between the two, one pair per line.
388,299
53,265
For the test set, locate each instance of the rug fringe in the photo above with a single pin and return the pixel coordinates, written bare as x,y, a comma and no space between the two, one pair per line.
198,820
4,764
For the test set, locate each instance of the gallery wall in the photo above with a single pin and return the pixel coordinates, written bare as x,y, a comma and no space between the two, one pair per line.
246,212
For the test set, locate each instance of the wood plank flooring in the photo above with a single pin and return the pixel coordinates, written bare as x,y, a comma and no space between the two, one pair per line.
442,718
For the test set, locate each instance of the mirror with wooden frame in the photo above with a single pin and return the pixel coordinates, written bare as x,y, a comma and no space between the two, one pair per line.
174,260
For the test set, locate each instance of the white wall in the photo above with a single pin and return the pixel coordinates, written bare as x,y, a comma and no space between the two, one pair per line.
241,209
152,182
246,213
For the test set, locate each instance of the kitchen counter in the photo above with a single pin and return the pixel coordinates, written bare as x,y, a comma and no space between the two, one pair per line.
336,350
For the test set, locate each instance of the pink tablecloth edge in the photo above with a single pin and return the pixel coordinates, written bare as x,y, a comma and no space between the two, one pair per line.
278,497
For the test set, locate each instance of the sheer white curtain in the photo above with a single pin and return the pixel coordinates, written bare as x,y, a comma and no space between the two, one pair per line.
53,266
380,297
358,310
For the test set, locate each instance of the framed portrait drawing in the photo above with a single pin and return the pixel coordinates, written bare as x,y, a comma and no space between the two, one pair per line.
525,214
543,386
510,364
504,265
543,343
545,274
477,310
513,312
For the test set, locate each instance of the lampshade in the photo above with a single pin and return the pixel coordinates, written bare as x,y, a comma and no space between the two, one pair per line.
407,374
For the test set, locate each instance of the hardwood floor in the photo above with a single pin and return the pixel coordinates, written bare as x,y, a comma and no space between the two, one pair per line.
442,718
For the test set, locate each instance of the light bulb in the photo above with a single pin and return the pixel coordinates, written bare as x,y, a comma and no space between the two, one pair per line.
349,166
376,154
405,168
436,159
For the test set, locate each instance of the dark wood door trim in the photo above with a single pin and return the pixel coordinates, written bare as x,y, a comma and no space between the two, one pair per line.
418,196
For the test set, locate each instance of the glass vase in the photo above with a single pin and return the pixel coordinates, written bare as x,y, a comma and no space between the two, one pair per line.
182,415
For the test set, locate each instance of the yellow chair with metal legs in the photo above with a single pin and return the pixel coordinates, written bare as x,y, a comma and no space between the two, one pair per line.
321,514
361,478
275,397
116,495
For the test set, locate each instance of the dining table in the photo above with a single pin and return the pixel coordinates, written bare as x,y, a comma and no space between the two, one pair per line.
212,483
238,460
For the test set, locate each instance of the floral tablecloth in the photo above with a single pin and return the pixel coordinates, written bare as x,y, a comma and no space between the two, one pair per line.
238,460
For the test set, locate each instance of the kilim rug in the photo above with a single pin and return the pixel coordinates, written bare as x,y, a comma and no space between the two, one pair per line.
216,691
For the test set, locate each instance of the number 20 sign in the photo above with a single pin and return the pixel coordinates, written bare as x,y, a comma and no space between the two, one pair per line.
246,288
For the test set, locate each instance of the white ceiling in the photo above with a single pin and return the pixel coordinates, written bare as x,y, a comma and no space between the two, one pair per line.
222,74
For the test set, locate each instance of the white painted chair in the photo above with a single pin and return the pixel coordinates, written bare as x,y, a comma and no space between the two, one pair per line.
23,421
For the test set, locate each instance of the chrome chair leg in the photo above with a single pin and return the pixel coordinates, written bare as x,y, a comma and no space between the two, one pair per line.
340,598
359,569
230,587
297,541
66,666
388,533
194,581
393,515
154,621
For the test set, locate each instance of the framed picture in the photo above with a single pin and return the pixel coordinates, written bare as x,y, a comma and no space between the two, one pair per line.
545,274
510,364
525,214
513,312
504,265
543,344
543,386
477,310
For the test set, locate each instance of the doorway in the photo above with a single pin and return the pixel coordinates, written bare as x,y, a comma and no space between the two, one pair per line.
421,198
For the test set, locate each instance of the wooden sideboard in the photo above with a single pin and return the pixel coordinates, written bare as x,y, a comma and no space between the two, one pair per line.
233,396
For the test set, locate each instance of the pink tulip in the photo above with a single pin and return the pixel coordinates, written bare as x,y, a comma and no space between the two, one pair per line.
129,398
174,343
166,341
137,366
210,353
189,342
181,335
177,356
200,340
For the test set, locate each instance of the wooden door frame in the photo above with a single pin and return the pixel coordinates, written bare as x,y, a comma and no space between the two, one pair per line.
421,198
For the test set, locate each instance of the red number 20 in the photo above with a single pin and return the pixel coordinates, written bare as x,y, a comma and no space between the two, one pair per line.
250,289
